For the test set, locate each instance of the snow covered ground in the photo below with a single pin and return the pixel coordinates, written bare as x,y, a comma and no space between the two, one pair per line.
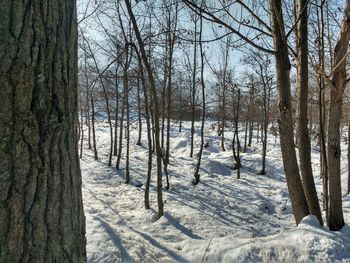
220,220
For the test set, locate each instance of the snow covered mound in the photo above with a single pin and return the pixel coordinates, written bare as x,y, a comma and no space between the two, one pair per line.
309,221
311,244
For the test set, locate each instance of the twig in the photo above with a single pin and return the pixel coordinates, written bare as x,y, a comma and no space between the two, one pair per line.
205,252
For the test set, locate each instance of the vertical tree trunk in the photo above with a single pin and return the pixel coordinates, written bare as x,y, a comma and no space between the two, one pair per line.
266,106
172,27
336,220
193,90
41,209
348,155
163,92
337,87
155,106
295,188
251,120
196,172
302,112
93,127
322,110
139,112
149,132
238,158
116,112
127,129
81,133
246,131
125,101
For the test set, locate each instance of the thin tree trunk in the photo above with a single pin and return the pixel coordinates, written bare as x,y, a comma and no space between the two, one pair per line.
149,133
238,158
139,112
302,112
246,131
81,130
127,129
172,26
322,110
155,106
115,148
125,101
295,188
266,106
93,128
193,91
196,172
107,105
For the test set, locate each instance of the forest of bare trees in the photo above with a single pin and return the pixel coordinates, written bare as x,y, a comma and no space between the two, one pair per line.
250,69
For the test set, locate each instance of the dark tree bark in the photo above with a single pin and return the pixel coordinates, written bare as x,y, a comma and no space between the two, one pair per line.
348,156
139,112
127,129
125,101
303,139
295,188
337,86
149,132
41,209
322,109
238,158
193,88
196,172
116,112
81,129
266,81
172,27
93,127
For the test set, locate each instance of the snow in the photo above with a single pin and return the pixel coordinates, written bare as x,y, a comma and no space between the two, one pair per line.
222,219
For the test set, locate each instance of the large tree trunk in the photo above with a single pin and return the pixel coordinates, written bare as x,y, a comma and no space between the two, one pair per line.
336,220
337,87
303,139
295,188
41,209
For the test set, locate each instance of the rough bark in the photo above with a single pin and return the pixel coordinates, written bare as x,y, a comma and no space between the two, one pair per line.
41,209
337,87
348,157
295,188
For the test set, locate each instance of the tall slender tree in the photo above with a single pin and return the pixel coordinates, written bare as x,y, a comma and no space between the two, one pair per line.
303,139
